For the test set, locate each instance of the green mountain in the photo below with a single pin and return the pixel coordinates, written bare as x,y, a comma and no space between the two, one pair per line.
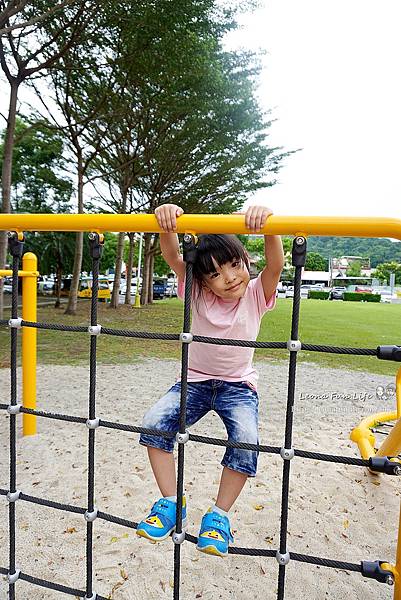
379,250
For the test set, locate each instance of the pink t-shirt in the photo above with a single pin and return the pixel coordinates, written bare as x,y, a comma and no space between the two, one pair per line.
239,319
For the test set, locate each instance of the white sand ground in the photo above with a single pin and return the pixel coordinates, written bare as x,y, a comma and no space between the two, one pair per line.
336,511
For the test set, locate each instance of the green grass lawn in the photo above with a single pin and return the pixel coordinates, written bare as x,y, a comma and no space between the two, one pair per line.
353,324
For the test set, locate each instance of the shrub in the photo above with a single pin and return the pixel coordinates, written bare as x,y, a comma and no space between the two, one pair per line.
318,295
359,297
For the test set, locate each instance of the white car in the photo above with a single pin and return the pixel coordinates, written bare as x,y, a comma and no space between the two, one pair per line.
123,288
387,296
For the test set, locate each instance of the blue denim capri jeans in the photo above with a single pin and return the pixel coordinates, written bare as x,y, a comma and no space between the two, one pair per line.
236,403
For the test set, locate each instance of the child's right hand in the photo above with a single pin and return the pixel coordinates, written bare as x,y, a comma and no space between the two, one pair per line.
166,216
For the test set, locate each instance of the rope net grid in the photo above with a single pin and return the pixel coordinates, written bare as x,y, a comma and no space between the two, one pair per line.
378,570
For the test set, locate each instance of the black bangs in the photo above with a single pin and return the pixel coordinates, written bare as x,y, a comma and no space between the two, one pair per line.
223,248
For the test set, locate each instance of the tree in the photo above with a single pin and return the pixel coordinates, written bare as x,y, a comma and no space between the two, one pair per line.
354,269
26,51
190,131
38,177
315,262
383,270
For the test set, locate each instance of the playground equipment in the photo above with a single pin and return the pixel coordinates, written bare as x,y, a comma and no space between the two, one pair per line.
29,276
380,570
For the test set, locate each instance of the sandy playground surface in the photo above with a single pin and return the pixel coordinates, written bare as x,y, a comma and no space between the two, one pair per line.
338,512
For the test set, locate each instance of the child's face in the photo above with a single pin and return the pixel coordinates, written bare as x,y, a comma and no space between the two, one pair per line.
228,281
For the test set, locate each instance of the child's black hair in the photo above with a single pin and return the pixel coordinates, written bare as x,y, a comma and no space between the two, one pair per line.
223,248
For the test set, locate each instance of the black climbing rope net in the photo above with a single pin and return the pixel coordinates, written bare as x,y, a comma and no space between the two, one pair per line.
90,512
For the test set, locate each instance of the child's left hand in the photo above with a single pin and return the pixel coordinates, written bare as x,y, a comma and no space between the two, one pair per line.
256,217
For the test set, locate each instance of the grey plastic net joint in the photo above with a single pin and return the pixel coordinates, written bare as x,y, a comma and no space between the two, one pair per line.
93,597
95,329
15,323
93,423
13,496
186,338
287,453
14,577
282,559
14,409
294,345
178,538
182,438
91,516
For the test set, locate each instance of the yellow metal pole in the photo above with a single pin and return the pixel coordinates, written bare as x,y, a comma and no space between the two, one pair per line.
283,225
392,444
29,313
363,436
397,588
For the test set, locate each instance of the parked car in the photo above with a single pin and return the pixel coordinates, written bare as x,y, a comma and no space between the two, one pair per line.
305,289
289,292
159,288
7,285
85,289
123,287
171,287
337,293
362,289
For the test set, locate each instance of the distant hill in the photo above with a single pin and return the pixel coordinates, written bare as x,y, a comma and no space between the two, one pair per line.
377,249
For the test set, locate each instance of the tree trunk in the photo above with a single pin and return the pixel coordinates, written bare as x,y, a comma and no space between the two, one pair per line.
150,279
131,236
6,176
76,273
146,269
117,273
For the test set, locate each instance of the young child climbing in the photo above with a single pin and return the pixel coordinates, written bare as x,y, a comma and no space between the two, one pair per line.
226,303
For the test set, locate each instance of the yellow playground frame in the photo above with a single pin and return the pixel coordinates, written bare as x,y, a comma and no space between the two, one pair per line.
29,276
197,224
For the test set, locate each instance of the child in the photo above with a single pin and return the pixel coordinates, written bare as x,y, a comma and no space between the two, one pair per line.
226,304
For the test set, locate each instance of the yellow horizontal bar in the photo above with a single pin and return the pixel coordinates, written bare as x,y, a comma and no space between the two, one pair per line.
293,225
8,273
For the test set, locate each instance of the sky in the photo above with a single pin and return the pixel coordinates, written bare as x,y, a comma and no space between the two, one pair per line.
331,80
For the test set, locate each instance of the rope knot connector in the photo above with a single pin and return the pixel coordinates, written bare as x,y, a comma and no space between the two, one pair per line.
182,438
282,559
294,345
14,577
178,538
186,338
287,453
13,496
15,323
95,329
91,516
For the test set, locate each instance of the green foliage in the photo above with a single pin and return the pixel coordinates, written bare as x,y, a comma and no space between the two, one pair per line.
37,172
109,251
355,269
317,295
315,262
361,297
383,271
379,250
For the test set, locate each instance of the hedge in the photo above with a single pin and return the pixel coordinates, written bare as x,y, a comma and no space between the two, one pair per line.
360,297
317,295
